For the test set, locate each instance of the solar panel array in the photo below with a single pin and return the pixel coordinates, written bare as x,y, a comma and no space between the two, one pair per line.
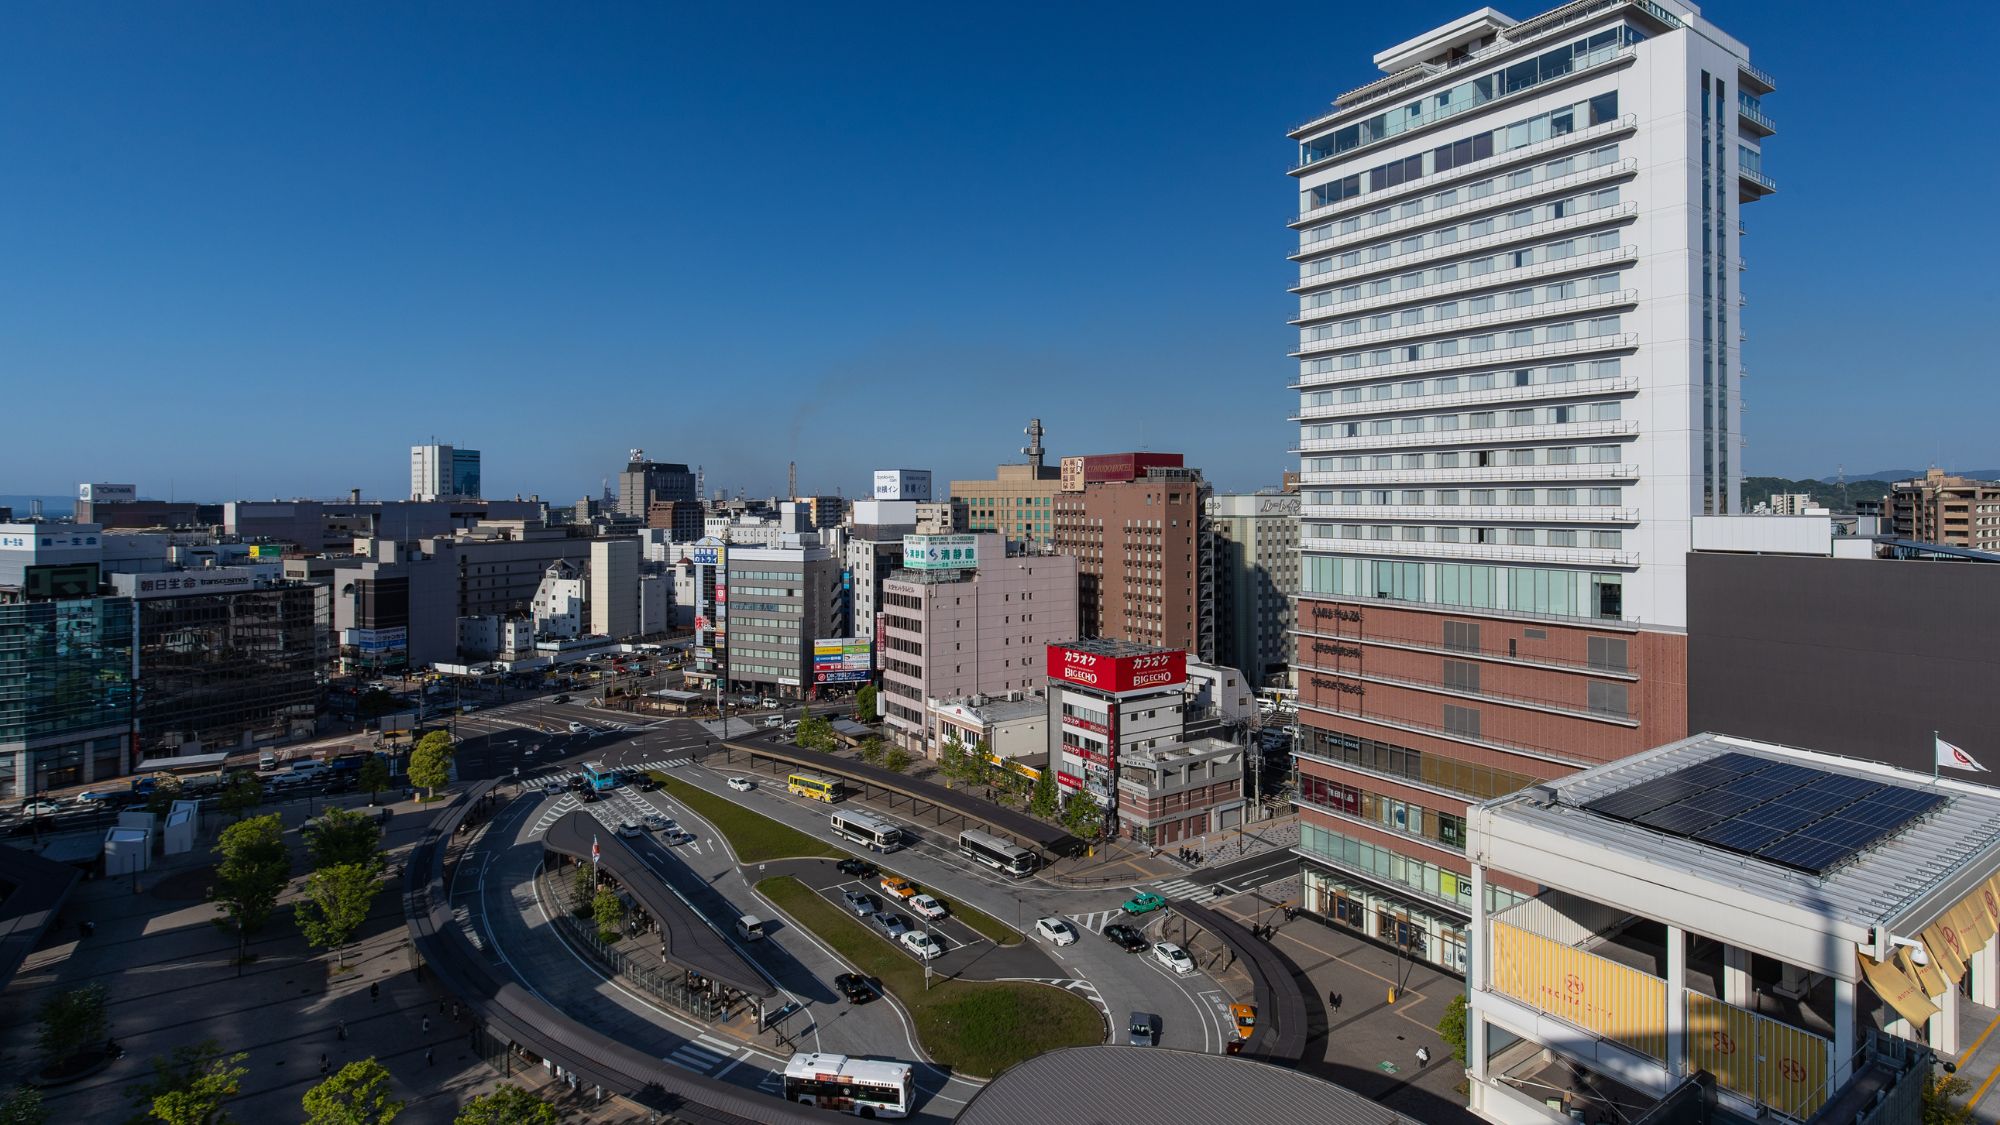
1792,815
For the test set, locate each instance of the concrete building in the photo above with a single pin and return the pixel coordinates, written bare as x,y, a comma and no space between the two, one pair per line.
1793,504
681,517
1014,725
614,587
334,525
1782,921
1256,581
559,606
1954,511
701,589
644,483
1108,699
780,600
501,563
943,517
656,602
443,472
227,657
395,608
902,484
874,550
974,623
119,505
1134,523
1519,365
1019,502
818,513
66,662
1178,791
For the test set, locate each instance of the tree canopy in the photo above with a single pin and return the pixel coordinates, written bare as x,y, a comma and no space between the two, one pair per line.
189,1086
337,902
255,865
343,836
430,762
356,1094
507,1105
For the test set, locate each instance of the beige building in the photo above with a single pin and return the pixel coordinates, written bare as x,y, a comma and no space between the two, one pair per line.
1019,502
1953,511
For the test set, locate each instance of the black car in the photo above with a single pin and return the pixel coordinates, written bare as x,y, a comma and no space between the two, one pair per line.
1128,938
560,699
859,868
647,783
857,988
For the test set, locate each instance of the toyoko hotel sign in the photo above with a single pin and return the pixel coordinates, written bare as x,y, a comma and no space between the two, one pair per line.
1114,674
903,484
940,552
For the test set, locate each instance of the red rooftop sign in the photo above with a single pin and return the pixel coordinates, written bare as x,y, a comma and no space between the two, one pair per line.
1117,673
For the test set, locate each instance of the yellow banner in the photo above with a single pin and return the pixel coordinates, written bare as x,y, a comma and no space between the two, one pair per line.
1794,1068
1969,919
1722,1039
1988,898
1898,989
1945,955
1621,1004
1927,976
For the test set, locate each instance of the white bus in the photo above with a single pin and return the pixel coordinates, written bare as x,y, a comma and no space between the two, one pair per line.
996,853
868,831
863,1087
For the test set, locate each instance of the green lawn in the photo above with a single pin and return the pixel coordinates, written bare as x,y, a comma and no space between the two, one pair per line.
978,1028
755,837
995,931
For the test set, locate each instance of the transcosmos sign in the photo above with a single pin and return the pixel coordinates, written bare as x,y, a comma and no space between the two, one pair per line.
1117,673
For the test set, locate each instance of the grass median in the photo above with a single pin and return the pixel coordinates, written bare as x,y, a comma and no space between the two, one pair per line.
754,837
978,1028
993,929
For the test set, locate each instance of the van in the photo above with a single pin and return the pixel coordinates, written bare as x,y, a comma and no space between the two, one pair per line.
773,721
267,762
750,928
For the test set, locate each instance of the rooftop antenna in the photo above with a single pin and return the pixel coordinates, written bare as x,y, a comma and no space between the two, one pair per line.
1034,447
1841,470
700,485
792,479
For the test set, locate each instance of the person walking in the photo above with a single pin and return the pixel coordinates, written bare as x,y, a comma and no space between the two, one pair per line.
427,1025
1333,1000
1423,1057
430,1055
340,1031
322,1063
375,992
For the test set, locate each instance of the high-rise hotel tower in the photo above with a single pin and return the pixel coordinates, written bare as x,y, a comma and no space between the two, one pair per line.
1519,381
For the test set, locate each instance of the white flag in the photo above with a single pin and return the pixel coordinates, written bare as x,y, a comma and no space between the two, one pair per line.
1951,757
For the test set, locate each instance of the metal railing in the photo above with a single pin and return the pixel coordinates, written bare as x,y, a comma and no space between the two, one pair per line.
1758,178
1578,263
1498,357
1756,115
1511,393
1482,435
1588,302
1762,76
1575,178
661,984
1395,263
1476,694
1472,475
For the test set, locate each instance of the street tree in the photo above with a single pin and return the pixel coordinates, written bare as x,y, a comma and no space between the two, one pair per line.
864,704
1043,801
242,796
337,902
23,1106
507,1105
189,1086
1082,816
72,1022
951,759
430,762
816,733
895,758
871,750
583,885
356,1094
343,836
1451,1026
608,911
255,865
374,777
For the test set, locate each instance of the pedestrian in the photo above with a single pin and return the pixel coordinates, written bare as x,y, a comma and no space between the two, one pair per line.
440,1005
322,1063
430,1055
340,1031
375,991
427,1025
1333,1000
1423,1057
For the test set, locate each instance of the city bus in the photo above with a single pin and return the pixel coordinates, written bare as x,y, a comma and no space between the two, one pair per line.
814,786
869,831
996,853
863,1087
597,778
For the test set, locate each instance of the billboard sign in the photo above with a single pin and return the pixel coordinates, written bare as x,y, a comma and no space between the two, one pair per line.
107,493
376,640
1072,474
1105,672
1068,780
903,484
842,660
222,580
841,677
709,552
940,552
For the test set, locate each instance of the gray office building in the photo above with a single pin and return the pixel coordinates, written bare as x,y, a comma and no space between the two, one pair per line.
1255,546
645,483
781,599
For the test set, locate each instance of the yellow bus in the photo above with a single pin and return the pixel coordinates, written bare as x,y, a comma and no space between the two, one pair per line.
814,786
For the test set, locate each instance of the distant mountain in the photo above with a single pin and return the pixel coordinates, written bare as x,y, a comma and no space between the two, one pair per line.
1912,474
51,505
1825,494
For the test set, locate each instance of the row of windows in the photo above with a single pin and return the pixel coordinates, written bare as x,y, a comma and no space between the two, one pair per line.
1471,306
1455,384
1481,497
1475,420
1474,345
1387,866
736,575
1462,232
1396,815
1504,536
1472,459
1452,197
1560,593
1476,782
1454,271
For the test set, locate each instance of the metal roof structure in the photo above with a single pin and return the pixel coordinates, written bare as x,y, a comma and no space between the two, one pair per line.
32,889
1105,1083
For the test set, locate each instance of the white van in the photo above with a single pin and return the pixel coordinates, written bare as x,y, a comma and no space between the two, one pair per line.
750,928
266,763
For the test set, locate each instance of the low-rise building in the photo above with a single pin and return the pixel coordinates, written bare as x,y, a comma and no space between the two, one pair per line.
558,607
1108,699
1180,790
1014,725
1940,508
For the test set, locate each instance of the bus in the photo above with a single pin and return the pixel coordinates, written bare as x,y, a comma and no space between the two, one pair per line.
597,778
814,786
996,853
869,831
863,1087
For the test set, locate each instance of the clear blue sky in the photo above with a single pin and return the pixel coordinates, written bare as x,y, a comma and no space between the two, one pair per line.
258,249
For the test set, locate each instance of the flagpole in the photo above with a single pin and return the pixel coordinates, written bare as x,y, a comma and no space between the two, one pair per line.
1935,764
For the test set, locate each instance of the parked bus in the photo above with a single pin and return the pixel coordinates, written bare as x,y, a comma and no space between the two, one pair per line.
814,786
863,1087
869,831
598,778
996,853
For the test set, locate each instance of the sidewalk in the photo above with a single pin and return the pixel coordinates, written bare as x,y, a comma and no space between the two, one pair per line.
1126,862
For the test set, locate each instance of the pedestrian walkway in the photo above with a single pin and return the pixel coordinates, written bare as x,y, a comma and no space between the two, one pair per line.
1188,890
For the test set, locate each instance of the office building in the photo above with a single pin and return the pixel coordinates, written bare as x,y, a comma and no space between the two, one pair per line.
644,483
701,591
501,563
943,517
1792,504
1180,790
817,513
967,615
780,599
118,505
66,661
1519,363
614,588
1726,925
1954,511
1135,522
683,518
1019,502
1256,581
334,525
395,608
443,472
1106,699
559,606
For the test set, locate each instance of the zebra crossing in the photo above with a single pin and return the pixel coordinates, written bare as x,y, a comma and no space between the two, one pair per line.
1188,890
1096,920
702,1055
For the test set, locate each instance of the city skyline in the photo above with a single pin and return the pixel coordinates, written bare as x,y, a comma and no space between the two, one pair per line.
282,247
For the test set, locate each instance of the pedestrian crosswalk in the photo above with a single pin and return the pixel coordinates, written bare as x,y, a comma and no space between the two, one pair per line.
700,1057
1188,890
1096,920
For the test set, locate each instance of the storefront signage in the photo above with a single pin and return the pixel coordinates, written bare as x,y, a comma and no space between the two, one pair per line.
1117,673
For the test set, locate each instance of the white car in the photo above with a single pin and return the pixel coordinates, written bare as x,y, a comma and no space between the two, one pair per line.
1173,957
576,728
1056,931
629,830
922,944
927,906
742,784
40,808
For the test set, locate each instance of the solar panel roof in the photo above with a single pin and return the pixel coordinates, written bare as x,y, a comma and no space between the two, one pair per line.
1785,813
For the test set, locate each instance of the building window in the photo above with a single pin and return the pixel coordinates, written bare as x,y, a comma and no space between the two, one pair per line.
1610,699
1461,720
1461,675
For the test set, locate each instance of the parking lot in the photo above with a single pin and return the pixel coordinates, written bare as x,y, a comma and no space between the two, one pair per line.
960,942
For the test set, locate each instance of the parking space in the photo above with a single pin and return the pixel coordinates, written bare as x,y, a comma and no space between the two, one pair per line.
958,940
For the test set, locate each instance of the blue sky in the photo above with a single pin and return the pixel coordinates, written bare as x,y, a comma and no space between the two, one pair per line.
258,250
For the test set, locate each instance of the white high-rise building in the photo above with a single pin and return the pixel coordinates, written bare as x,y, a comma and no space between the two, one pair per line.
1519,367
441,472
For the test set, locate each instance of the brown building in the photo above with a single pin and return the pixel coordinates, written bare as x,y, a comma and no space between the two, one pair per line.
1954,511
1136,542
682,517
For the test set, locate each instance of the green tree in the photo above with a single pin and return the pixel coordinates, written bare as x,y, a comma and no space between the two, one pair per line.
1451,1026
896,759
608,911
72,1022
864,704
374,777
343,836
166,790
1082,816
255,865
816,733
189,1086
507,1105
1940,1100
337,902
430,762
951,759
374,703
356,1094
1043,800
23,1106
583,885
241,796
871,750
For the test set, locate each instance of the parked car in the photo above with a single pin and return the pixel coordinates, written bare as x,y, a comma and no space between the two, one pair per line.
1143,902
898,886
927,906
859,868
855,987
1055,931
922,944
771,721
891,924
1143,1029
654,822
862,904
1128,938
1173,957
629,830
742,784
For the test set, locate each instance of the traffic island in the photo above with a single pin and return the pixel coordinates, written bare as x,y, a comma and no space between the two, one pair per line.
977,1028
754,837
